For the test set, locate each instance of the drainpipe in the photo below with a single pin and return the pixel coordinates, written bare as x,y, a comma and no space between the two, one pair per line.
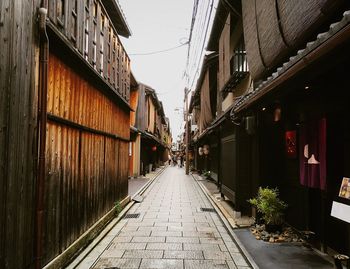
42,120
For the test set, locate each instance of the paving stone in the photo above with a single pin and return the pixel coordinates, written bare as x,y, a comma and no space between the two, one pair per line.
181,254
120,263
171,239
211,240
166,233
207,229
144,239
168,224
127,246
158,228
200,234
216,255
135,233
211,247
238,259
140,224
196,224
112,253
223,247
205,264
148,254
232,247
182,229
164,246
130,229
232,265
170,233
161,264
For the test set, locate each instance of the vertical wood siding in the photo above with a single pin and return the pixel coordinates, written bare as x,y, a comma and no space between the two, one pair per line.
86,25
18,115
86,172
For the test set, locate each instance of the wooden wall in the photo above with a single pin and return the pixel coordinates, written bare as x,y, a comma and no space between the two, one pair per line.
142,110
18,121
87,26
87,165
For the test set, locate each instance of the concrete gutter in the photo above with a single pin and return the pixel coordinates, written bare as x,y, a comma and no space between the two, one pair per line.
228,222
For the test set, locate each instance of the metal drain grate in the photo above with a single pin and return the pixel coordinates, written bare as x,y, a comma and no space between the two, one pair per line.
206,209
132,216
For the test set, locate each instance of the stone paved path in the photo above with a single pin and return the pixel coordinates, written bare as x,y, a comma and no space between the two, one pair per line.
171,232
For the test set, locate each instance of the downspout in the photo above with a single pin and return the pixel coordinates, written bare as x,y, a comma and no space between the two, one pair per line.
42,121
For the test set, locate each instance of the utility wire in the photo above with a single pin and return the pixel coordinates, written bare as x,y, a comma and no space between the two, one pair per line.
159,51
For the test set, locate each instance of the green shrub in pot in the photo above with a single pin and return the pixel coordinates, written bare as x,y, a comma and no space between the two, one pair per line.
270,206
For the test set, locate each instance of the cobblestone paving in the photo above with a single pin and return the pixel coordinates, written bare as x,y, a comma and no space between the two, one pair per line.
171,231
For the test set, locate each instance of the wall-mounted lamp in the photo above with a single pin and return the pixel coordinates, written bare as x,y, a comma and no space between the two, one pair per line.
206,149
277,114
200,151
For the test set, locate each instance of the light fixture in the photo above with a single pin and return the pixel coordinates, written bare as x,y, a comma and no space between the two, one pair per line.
263,109
307,87
277,114
206,149
200,151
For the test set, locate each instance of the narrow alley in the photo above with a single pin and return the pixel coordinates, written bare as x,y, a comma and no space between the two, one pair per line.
171,229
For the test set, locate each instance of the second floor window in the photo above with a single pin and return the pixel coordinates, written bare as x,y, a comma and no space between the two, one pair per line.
238,62
60,4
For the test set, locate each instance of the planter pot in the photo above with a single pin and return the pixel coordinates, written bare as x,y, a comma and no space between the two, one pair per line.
272,228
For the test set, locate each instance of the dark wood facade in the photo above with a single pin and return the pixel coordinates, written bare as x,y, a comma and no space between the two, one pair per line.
312,92
87,130
18,123
87,156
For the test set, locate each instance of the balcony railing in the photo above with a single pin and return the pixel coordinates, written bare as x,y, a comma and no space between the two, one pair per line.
238,67
87,26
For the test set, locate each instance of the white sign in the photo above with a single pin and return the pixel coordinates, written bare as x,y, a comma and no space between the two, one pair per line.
341,211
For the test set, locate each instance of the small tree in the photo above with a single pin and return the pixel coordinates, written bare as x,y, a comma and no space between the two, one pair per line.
269,205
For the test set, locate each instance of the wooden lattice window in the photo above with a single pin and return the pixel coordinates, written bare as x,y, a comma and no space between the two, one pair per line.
86,29
113,59
109,48
60,5
74,25
94,37
102,27
238,62
118,67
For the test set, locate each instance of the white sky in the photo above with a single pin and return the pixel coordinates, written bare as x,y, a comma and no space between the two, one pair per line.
158,25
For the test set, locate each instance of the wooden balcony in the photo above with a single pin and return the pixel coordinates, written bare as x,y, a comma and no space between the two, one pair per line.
86,26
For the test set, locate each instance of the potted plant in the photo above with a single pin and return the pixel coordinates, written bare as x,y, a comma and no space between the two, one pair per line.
271,207
206,174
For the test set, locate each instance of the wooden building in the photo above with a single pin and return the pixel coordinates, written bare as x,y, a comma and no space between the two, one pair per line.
219,145
150,132
298,55
65,88
282,122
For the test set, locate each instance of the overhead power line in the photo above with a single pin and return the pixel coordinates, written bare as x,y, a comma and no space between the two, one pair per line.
158,51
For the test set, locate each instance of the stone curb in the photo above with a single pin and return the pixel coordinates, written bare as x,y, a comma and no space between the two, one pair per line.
73,263
228,222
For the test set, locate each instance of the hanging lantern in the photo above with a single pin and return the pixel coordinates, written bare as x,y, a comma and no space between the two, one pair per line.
200,151
206,149
154,148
